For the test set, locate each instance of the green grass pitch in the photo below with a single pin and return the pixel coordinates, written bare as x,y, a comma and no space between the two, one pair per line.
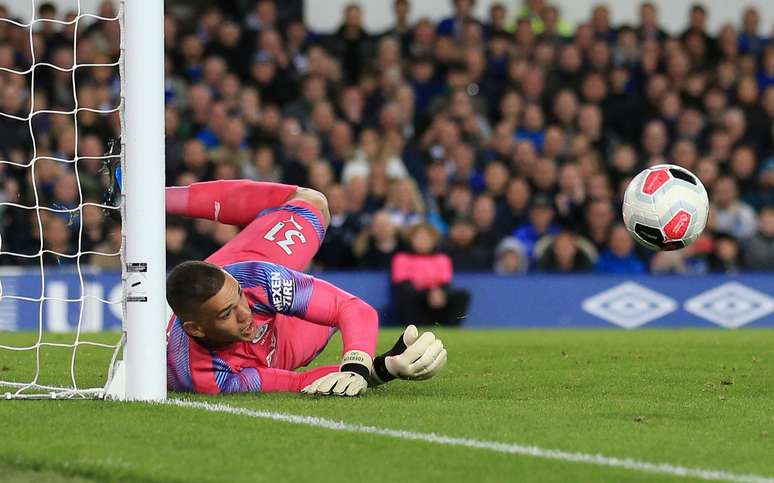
700,399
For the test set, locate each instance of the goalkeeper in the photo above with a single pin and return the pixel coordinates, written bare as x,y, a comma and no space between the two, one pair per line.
246,318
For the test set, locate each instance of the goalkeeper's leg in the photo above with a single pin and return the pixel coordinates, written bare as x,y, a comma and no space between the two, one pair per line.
239,202
289,234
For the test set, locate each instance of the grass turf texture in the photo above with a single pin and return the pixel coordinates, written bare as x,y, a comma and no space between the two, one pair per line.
692,398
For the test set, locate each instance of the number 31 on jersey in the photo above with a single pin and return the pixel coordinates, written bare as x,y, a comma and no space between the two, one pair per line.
291,235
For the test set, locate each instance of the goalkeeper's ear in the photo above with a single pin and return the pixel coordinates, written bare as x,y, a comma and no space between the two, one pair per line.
193,329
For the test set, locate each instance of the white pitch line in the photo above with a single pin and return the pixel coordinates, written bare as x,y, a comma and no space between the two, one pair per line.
508,448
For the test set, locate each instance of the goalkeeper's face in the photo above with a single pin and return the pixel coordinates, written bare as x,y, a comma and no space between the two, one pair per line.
225,317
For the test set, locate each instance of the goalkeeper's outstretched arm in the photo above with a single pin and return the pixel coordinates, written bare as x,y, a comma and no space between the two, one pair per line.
318,302
414,356
259,379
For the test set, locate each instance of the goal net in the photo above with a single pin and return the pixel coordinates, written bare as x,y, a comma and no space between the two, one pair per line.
64,96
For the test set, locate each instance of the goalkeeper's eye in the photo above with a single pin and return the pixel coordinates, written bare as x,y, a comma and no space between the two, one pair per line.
224,314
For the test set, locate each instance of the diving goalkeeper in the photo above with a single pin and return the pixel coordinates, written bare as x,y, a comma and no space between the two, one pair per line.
246,318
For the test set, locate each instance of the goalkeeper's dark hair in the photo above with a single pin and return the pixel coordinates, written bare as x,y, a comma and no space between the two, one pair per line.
192,283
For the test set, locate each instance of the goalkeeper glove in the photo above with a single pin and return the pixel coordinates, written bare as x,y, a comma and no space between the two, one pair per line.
350,380
412,357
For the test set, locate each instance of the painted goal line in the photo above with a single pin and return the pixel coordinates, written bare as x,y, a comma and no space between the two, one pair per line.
508,448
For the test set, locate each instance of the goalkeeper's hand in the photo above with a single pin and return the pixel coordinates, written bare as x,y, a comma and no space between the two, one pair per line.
412,357
350,380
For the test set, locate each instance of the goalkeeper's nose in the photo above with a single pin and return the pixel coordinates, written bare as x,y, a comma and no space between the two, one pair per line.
244,315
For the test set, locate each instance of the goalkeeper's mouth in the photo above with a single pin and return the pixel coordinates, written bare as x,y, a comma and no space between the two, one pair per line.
249,332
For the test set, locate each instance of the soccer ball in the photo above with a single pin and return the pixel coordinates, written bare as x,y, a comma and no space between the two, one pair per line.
665,207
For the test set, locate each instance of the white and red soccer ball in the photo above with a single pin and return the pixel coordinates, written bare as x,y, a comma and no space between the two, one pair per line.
665,207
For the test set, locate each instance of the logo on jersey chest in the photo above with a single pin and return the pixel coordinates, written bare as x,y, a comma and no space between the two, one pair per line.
281,292
260,333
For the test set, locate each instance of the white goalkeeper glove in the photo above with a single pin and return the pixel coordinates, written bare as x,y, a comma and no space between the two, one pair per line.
412,357
350,380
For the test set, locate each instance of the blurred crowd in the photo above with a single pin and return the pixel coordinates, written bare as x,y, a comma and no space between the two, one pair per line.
513,136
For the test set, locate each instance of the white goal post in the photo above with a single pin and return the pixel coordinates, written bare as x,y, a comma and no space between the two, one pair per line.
144,223
141,375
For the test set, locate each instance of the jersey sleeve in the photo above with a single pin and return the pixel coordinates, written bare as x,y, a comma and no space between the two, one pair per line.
285,291
262,379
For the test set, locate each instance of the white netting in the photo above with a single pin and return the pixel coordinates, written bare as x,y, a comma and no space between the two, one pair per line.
37,167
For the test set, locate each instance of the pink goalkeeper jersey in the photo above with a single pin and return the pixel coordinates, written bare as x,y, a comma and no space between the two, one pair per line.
307,309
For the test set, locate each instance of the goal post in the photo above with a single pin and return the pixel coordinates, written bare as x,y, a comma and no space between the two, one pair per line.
141,375
143,188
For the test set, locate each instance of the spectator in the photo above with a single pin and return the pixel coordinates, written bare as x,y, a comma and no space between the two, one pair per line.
725,255
57,240
463,159
65,194
106,254
178,247
401,29
484,219
621,257
351,43
750,41
463,250
196,161
376,245
517,198
373,151
336,251
648,28
758,251
459,203
570,196
541,223
564,253
510,257
94,229
743,167
544,177
263,167
437,191
313,90
453,26
496,177
497,19
233,146
321,176
422,280
732,216
306,153
599,221
340,146
264,16
404,203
